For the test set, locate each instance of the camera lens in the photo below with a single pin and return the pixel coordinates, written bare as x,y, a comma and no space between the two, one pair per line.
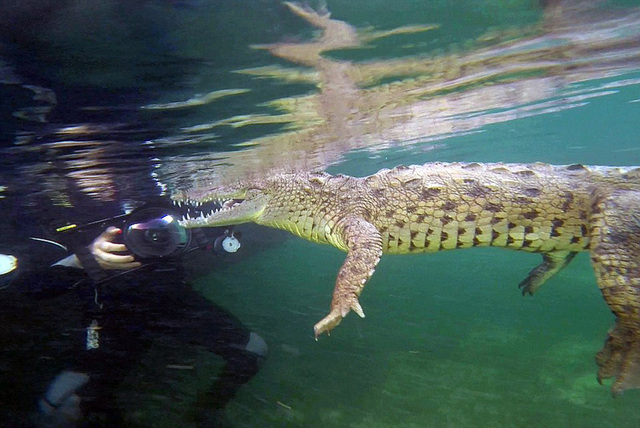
159,236
155,232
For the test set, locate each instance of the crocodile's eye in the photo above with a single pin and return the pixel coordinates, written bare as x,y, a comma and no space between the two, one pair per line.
251,193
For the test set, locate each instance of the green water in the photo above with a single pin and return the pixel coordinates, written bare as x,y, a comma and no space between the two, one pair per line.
448,340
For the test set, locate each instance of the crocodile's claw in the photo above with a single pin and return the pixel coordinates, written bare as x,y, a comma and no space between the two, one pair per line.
619,358
355,307
334,318
328,323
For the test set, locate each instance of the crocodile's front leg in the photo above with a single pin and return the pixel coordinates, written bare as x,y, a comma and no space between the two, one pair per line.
364,245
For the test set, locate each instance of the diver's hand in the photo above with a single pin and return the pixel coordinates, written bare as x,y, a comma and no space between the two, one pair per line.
104,250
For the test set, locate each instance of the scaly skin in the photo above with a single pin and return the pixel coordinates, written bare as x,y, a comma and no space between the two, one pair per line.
557,211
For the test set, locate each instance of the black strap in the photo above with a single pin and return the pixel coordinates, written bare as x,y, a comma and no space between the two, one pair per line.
90,265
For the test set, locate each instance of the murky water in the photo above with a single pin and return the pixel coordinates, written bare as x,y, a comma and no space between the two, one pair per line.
154,97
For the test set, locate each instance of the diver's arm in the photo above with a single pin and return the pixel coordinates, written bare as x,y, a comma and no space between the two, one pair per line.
105,251
65,274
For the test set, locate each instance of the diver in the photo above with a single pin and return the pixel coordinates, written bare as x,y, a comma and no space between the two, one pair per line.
129,288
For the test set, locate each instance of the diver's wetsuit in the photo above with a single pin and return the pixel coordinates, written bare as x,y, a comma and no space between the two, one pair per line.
133,311
128,313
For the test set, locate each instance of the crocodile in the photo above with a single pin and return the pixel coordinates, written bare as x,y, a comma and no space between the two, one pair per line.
557,211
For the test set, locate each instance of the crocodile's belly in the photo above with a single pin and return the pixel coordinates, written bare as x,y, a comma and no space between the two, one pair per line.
438,236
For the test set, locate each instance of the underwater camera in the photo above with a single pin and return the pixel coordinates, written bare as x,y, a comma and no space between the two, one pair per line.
153,232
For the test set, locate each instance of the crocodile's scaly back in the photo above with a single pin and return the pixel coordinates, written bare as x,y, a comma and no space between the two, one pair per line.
447,206
556,211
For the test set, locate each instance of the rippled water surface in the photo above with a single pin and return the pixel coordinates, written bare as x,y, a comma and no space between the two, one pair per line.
106,103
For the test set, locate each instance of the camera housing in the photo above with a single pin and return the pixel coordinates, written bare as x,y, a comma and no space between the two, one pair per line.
151,232
154,232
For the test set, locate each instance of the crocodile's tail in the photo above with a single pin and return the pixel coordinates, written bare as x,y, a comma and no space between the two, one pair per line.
615,255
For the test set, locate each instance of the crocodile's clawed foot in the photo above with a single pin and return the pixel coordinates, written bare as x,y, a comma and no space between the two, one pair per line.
620,359
334,318
528,286
328,323
552,263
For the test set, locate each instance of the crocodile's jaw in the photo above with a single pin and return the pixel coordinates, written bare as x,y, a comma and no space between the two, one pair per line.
266,202
245,203
238,213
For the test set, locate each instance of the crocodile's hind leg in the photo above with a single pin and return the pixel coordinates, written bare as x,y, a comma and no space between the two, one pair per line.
615,255
552,263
